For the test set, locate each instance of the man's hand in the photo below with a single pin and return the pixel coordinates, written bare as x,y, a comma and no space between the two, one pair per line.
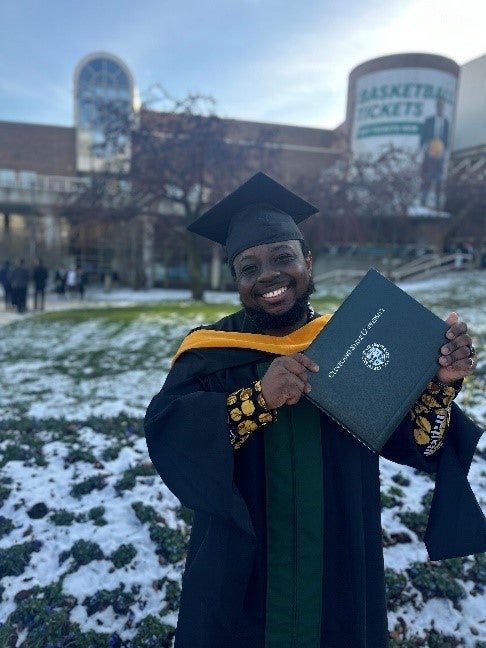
286,380
458,358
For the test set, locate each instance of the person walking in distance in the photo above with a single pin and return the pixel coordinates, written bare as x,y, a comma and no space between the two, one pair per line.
39,275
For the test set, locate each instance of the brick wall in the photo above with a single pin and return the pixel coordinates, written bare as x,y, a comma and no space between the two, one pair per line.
47,150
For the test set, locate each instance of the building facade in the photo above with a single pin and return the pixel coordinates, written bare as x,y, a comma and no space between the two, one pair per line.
45,169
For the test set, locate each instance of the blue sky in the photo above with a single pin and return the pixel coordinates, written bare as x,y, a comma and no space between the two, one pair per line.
282,61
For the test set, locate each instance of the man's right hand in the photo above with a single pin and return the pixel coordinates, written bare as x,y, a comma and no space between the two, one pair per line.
286,380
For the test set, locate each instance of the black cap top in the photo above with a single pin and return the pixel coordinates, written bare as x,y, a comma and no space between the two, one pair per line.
259,211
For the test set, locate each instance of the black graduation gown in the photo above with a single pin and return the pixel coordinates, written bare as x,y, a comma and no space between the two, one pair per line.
224,584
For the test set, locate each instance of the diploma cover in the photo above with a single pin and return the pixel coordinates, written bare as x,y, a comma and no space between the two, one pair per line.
375,355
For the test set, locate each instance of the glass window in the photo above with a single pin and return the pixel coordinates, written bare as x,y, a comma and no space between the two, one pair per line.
97,65
7,178
27,179
101,80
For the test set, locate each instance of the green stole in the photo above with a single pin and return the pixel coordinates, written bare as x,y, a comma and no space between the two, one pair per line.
293,463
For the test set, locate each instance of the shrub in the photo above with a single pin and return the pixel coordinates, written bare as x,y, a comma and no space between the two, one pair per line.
23,450
172,595
436,581
6,525
111,453
401,480
153,633
96,514
83,552
13,560
123,555
185,514
62,517
80,454
97,482
119,600
171,544
4,493
396,583
15,452
416,521
43,615
128,479
477,573
438,640
391,498
145,513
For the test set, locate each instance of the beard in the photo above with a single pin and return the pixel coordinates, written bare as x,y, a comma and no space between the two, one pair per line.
267,322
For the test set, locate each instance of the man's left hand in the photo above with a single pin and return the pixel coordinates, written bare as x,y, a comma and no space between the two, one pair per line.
458,358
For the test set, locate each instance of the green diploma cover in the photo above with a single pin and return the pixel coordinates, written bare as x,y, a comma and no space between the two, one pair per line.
376,355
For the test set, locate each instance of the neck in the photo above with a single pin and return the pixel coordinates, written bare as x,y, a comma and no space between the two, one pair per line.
280,325
286,330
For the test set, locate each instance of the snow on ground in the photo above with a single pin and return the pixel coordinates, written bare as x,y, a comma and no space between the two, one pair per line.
57,375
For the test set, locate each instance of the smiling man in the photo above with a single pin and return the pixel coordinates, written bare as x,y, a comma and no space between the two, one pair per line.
274,282
286,545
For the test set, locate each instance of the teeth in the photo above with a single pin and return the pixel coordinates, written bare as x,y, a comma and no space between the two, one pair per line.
275,293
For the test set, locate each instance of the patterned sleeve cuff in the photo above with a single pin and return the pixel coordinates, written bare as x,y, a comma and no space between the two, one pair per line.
431,415
247,411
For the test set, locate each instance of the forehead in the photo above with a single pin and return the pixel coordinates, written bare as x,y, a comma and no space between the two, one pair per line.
261,251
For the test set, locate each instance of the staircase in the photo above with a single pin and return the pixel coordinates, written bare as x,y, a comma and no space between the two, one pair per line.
420,268
432,264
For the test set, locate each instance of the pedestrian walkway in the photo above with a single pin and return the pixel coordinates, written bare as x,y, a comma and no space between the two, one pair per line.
96,297
7,317
52,303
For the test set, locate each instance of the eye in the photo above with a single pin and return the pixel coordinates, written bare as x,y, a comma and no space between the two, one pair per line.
248,270
284,258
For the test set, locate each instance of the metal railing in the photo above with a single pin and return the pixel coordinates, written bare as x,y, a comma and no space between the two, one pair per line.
432,264
421,267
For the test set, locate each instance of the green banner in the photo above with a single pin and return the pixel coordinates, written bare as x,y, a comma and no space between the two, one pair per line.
389,128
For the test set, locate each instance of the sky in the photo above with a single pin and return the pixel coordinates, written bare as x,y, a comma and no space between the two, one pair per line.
277,61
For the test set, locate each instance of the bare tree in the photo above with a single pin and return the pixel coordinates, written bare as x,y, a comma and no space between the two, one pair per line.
181,161
364,198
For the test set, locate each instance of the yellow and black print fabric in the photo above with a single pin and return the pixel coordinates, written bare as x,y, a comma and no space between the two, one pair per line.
431,415
247,411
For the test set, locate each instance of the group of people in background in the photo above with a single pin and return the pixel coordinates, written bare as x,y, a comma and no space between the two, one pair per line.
70,282
15,279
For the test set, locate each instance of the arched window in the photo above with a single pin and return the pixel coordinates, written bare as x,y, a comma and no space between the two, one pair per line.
101,81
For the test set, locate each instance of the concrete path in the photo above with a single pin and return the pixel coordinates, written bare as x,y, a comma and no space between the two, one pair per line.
96,297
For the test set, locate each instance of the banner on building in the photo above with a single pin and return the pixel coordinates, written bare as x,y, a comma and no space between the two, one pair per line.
411,109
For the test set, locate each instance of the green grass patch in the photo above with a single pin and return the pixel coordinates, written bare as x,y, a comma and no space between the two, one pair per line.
123,555
128,479
82,552
62,517
181,310
128,314
437,581
97,482
6,526
13,560
97,515
43,614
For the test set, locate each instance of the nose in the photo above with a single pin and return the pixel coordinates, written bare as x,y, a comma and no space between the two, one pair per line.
268,273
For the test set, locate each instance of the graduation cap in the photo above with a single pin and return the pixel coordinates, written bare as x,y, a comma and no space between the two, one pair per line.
259,211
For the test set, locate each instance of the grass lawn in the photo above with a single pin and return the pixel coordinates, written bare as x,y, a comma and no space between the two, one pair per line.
92,543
